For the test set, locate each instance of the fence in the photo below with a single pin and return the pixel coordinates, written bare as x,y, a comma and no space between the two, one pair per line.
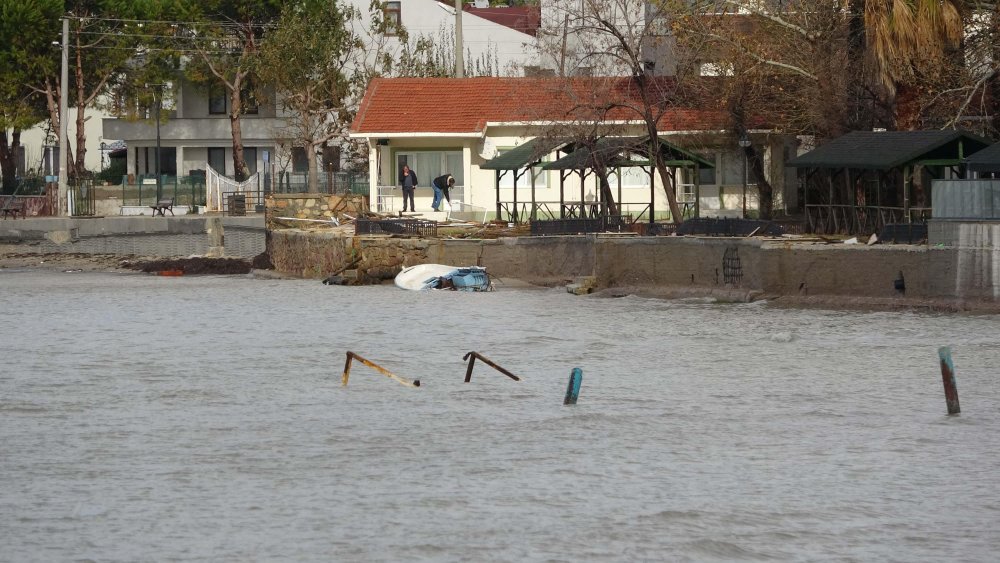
577,225
328,182
184,190
966,199
859,220
409,227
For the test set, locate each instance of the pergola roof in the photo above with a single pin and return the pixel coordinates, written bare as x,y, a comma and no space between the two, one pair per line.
524,155
616,151
871,150
986,160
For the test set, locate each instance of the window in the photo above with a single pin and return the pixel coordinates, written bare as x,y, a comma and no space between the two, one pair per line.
250,156
216,100
632,177
393,13
524,180
217,159
431,164
299,161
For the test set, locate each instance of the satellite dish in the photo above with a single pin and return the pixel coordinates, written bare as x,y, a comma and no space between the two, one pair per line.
487,149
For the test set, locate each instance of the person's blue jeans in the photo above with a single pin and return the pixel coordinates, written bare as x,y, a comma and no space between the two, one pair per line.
438,196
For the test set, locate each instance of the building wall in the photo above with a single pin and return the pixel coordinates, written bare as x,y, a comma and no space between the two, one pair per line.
481,37
33,140
479,188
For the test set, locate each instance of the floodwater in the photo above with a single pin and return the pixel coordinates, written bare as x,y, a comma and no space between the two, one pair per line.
147,418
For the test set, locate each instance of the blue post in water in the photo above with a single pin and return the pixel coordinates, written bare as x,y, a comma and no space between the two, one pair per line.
573,389
948,375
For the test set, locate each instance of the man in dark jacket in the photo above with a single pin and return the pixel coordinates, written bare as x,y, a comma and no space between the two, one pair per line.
441,185
408,181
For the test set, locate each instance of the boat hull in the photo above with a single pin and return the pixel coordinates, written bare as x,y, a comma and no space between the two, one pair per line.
441,276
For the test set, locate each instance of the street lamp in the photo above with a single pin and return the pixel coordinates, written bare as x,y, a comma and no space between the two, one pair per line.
744,144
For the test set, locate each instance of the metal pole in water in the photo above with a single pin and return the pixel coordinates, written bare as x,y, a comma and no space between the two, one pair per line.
948,376
378,368
573,389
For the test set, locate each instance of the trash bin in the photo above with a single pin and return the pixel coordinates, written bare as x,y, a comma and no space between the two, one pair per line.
237,205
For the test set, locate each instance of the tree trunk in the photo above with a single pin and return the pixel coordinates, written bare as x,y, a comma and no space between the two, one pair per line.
8,159
240,170
81,103
313,169
765,197
661,168
606,194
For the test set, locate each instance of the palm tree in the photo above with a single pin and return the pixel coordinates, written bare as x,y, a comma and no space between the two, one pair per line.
908,42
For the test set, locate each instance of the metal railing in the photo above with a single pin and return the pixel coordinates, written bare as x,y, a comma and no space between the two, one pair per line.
859,220
405,227
577,225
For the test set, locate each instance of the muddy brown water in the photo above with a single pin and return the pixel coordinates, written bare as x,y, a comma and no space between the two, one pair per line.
203,419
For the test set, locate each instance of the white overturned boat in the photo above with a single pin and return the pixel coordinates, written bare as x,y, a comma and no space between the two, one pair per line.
440,276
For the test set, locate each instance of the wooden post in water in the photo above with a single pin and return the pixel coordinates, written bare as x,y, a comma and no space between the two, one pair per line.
948,375
376,367
573,389
473,356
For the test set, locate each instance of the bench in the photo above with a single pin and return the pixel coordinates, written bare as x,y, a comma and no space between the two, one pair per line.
162,206
13,207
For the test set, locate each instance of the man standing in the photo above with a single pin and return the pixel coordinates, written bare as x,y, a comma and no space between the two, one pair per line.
408,180
442,185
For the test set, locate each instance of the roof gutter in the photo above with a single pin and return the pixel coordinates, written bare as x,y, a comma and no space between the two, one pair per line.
420,135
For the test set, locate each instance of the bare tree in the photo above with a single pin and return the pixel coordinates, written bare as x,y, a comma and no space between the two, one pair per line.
614,38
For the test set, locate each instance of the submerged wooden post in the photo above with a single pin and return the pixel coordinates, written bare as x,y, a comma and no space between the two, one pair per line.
948,376
573,389
376,367
473,356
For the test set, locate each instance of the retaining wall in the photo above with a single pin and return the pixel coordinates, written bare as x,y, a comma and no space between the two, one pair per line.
238,237
688,263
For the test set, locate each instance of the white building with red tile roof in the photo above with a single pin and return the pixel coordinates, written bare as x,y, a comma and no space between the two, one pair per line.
439,126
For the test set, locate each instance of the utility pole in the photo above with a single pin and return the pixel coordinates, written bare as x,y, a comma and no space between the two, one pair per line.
459,62
62,197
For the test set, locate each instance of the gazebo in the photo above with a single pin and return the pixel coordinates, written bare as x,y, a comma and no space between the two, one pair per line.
517,161
864,180
613,152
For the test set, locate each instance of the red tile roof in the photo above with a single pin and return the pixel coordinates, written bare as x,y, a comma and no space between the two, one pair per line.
466,105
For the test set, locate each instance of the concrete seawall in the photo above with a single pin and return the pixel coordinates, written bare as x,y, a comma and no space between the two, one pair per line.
677,265
238,237
965,272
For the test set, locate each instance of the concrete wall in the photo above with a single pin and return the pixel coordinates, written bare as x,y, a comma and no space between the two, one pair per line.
697,265
242,237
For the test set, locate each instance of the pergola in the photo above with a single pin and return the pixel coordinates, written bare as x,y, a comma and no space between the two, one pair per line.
877,170
517,161
613,152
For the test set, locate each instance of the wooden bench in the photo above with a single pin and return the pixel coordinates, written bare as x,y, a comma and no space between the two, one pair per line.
162,206
13,207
